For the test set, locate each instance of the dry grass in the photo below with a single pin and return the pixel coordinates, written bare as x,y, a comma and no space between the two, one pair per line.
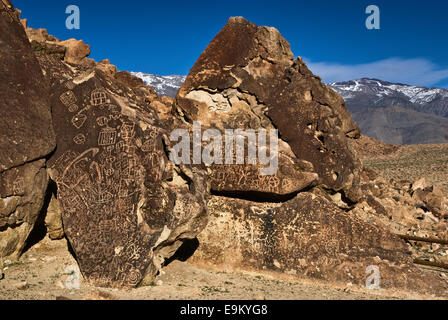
413,162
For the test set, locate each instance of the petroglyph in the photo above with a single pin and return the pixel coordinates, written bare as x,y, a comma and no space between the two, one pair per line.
68,98
98,97
108,166
73,107
79,139
78,120
107,136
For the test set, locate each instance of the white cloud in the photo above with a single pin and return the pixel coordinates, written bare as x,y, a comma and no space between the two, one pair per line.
417,71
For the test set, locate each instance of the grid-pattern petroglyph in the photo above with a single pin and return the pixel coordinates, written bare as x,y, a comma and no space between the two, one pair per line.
98,97
68,98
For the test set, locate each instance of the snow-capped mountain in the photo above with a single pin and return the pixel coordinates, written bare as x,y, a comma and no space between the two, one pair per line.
163,85
377,93
397,113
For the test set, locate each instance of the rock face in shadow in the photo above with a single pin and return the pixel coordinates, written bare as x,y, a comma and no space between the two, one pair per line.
26,131
125,207
247,78
26,121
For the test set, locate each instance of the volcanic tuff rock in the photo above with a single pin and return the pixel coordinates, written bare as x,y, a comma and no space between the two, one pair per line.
76,50
308,236
410,210
247,78
125,207
53,219
26,131
71,51
117,198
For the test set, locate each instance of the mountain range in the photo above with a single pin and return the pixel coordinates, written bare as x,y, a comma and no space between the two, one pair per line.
391,112
163,85
397,113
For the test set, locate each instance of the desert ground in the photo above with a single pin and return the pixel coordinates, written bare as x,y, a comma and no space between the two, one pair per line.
40,274
412,162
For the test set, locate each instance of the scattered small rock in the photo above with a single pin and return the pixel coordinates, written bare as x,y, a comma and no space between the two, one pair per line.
419,184
22,285
60,284
98,295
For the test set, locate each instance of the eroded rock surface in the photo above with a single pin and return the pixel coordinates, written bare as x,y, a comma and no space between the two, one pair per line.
414,211
308,237
125,207
247,78
72,51
26,131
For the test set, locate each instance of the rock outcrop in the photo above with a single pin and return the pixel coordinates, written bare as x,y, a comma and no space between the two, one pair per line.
71,51
125,207
247,78
414,211
308,237
26,131
75,50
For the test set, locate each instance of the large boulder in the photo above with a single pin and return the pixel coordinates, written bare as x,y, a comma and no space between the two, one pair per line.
27,134
72,51
308,237
247,78
125,207
76,50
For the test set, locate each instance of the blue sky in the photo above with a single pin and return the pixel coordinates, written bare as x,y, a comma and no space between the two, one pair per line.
166,37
